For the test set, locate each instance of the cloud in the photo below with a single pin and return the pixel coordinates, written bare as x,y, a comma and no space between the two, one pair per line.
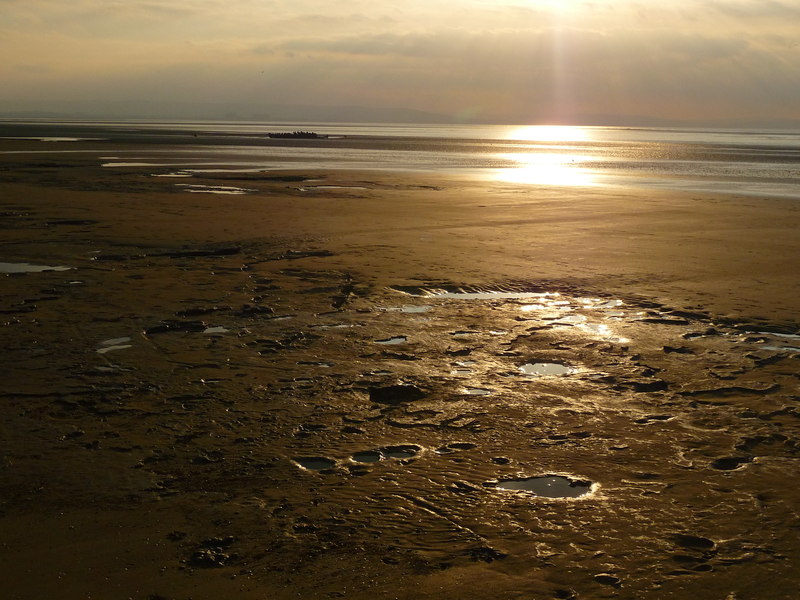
509,60
759,9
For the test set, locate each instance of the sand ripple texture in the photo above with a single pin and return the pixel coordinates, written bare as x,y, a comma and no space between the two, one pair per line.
269,418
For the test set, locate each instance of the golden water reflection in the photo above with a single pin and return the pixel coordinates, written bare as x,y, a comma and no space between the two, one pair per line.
539,168
550,133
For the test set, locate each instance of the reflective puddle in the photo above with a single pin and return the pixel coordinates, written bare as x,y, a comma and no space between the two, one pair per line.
464,334
28,268
780,342
545,369
113,344
131,164
215,330
473,391
333,326
551,486
179,174
313,188
490,295
401,339
215,189
320,364
401,452
57,139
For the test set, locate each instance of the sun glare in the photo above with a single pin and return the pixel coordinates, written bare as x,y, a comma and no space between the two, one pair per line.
550,133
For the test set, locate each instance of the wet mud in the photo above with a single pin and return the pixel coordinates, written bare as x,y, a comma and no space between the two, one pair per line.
475,430
242,418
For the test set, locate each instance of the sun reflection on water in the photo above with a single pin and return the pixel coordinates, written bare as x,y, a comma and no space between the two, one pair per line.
546,169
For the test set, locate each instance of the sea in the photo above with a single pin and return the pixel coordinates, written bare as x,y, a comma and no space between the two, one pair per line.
762,163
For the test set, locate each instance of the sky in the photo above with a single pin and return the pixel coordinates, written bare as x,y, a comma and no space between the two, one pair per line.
485,61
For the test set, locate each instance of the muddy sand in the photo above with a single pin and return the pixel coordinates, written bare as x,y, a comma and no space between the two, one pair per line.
393,386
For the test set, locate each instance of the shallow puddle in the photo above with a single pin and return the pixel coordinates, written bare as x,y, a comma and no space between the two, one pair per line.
215,189
545,369
57,139
315,463
334,326
470,293
113,344
552,486
24,267
215,330
464,334
570,320
179,174
401,452
780,342
131,164
320,364
369,456
313,188
400,339
492,295
472,391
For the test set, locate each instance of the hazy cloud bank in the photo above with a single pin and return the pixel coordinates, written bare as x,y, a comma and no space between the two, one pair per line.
517,61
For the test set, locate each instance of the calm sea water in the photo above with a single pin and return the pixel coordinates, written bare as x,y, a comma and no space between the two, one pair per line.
760,163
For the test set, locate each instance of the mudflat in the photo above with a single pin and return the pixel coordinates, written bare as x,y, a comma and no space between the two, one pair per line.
342,384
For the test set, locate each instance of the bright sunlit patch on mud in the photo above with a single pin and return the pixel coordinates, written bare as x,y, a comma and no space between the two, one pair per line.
604,332
536,168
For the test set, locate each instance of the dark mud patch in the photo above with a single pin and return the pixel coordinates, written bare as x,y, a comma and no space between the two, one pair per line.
396,394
